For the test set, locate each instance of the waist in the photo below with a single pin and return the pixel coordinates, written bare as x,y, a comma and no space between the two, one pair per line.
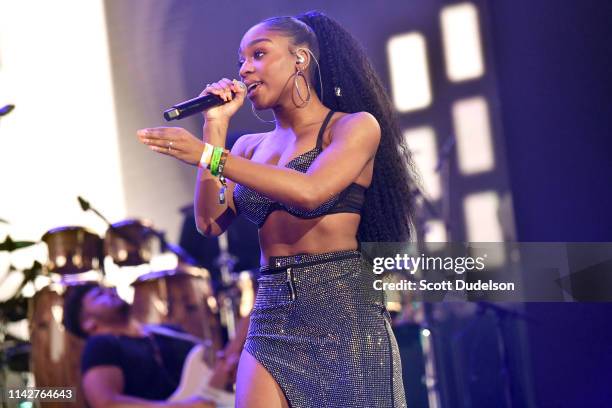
278,264
284,234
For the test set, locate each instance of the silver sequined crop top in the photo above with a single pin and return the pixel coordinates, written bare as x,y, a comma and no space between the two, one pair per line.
256,207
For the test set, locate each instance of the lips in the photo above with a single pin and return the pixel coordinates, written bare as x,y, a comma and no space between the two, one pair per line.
253,86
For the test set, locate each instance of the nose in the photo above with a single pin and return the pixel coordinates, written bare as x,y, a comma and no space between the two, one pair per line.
245,69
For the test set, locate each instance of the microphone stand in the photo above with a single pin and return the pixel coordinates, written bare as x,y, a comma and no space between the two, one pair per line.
500,314
425,323
226,261
428,341
175,249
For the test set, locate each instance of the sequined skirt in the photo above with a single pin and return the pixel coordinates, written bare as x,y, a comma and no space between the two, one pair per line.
321,330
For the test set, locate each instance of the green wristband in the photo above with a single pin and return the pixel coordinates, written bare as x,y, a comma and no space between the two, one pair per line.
214,161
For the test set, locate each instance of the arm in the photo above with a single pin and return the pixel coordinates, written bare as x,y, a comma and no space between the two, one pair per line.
103,387
213,218
354,143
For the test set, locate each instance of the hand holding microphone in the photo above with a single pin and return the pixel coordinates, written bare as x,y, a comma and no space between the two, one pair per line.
218,101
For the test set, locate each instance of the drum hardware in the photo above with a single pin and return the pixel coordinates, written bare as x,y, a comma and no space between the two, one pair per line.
225,261
228,294
182,295
130,242
53,356
75,257
73,250
130,236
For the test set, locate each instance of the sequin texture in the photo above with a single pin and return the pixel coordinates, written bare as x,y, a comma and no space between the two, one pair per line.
256,207
322,331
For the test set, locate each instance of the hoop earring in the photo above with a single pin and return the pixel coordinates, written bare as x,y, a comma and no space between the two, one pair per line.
318,69
300,73
257,116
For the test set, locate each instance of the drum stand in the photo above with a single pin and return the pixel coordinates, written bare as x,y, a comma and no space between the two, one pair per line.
226,261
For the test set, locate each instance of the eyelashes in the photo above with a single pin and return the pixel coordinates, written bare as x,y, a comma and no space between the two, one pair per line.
255,54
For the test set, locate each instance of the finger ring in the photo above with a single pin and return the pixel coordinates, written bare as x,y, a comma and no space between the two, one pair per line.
170,143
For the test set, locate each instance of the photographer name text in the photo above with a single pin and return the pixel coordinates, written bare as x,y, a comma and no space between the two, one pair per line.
446,285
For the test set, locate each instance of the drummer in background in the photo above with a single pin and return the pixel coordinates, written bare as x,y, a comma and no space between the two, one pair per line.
124,364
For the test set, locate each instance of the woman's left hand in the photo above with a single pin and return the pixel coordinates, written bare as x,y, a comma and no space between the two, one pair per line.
173,141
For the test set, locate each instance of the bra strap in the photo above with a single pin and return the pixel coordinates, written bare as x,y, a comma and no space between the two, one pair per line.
323,126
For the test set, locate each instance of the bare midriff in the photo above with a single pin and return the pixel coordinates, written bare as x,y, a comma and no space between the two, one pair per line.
285,234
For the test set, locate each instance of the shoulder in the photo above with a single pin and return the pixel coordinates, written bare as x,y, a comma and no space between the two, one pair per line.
246,144
101,345
358,128
101,350
101,341
358,119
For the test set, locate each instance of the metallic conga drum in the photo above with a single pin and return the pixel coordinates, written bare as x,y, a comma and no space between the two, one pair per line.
56,353
73,250
131,242
182,296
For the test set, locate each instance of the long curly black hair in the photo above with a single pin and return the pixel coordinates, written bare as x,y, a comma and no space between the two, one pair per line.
350,84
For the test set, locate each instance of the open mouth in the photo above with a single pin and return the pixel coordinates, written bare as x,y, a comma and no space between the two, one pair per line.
253,86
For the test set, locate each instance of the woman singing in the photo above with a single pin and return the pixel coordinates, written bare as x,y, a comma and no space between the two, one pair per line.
333,172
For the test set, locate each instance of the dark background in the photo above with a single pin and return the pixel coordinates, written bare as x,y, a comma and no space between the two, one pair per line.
553,70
